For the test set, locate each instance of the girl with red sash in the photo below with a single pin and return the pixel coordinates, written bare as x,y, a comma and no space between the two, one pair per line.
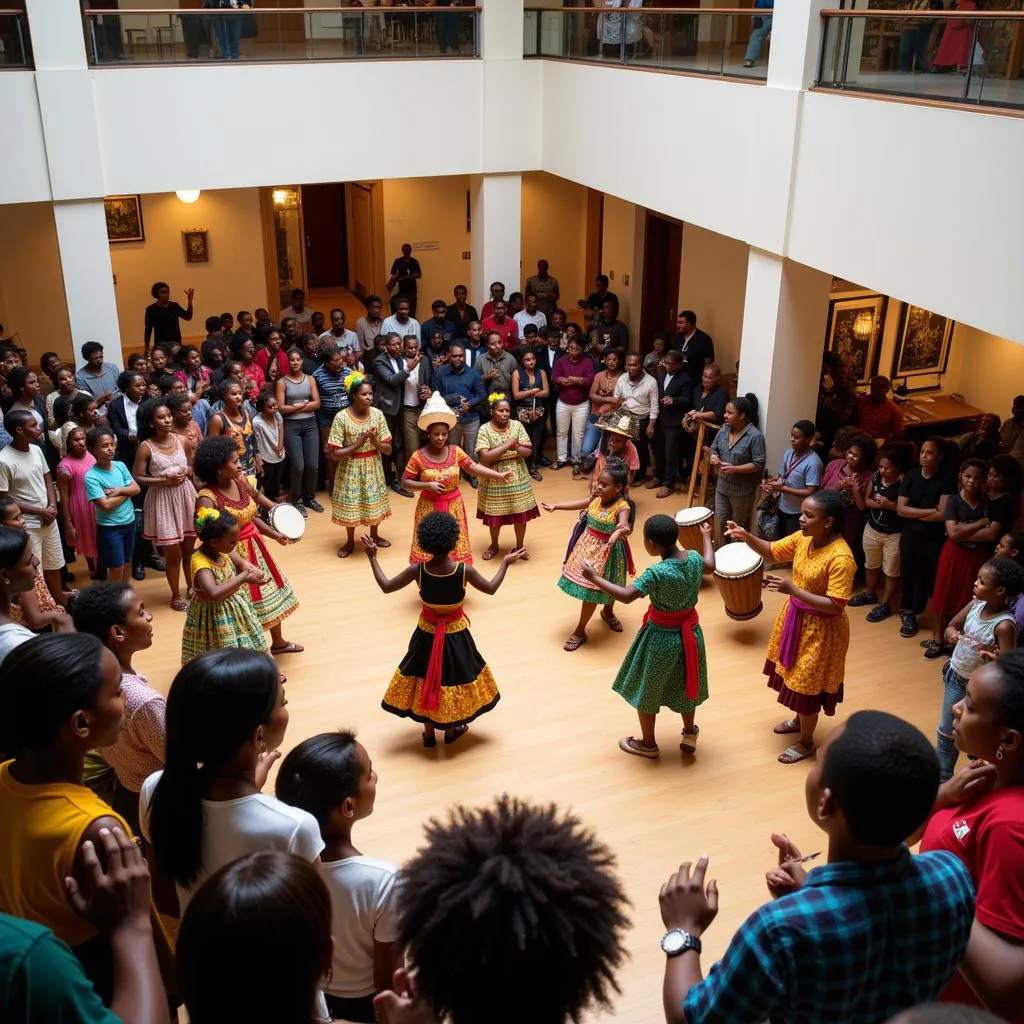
666,665
806,660
442,682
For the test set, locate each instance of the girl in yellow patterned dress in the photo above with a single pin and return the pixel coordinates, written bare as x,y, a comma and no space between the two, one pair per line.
806,659
359,436
434,472
504,443
599,539
220,612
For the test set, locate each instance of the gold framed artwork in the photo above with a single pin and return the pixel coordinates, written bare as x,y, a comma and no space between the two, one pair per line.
197,245
124,218
922,346
855,333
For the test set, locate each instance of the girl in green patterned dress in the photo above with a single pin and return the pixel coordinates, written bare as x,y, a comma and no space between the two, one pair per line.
220,611
600,539
666,665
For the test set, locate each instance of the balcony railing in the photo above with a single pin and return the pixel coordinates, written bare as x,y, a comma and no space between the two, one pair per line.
115,38
972,57
15,51
722,41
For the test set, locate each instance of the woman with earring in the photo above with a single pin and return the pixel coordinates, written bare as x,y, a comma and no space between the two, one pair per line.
18,567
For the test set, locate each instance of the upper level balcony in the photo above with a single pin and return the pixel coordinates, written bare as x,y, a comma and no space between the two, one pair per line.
15,49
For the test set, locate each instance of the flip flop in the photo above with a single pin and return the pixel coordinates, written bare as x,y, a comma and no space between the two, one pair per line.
382,543
634,746
793,754
489,554
665,492
179,604
791,725
342,553
457,733
612,622
574,643
289,648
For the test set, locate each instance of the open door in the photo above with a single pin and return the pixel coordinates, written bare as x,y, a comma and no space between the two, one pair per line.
663,253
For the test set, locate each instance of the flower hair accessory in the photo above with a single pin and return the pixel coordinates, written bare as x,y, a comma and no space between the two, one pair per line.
206,515
353,380
493,400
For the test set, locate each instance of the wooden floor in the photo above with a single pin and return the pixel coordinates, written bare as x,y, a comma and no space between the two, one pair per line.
553,736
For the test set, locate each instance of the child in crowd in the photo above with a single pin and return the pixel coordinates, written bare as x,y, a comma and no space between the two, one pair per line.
599,540
183,425
234,421
980,631
882,537
666,665
116,615
35,609
78,515
1011,545
850,477
220,612
331,776
80,411
268,431
619,429
109,487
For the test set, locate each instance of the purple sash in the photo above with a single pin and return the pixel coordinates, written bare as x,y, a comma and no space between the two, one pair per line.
791,629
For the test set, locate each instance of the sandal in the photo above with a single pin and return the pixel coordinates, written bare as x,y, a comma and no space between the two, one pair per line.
688,744
289,648
665,492
536,476
612,622
179,604
490,553
574,643
934,649
381,542
634,746
457,733
795,753
791,725
346,550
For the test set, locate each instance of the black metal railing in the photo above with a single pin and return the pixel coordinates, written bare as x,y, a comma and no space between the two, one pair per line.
15,49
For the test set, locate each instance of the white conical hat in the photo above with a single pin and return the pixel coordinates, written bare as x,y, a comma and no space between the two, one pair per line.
436,410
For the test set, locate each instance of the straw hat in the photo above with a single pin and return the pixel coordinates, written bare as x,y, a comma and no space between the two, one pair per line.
619,421
436,410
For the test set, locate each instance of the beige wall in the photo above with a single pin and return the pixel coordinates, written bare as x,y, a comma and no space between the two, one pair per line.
32,305
233,279
555,229
622,258
431,210
987,370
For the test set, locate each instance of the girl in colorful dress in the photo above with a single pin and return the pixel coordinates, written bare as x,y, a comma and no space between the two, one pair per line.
806,659
599,541
359,437
666,665
850,478
78,514
434,472
234,421
220,612
442,682
504,443
161,467
619,428
226,489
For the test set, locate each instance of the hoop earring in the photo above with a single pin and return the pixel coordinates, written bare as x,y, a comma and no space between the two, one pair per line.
999,754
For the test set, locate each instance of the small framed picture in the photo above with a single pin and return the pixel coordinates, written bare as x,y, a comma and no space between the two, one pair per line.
922,347
855,333
197,245
124,218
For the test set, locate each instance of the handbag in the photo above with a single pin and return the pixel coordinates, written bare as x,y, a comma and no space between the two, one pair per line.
768,517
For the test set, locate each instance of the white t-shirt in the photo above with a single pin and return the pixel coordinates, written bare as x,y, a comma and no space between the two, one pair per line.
348,339
411,394
363,911
234,828
392,326
13,634
305,317
23,478
522,318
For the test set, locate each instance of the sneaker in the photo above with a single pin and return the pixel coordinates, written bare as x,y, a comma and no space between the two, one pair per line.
879,612
302,508
314,505
908,624
688,745
862,599
748,63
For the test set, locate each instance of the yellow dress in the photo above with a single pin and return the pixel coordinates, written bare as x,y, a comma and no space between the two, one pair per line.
447,474
814,682
360,495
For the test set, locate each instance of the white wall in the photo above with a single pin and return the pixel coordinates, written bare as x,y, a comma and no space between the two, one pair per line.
24,177
554,228
987,370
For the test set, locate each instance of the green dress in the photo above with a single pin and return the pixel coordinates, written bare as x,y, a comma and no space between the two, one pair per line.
653,672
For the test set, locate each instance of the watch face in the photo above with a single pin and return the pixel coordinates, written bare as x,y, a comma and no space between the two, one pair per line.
673,941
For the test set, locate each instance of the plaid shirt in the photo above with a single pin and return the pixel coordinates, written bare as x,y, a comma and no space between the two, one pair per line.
858,943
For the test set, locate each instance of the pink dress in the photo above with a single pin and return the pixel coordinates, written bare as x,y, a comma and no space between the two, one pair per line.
79,507
168,512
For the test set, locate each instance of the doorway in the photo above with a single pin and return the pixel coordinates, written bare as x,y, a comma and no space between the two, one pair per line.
323,215
663,253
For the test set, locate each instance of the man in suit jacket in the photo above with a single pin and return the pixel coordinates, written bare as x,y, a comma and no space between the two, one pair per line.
675,397
390,372
696,345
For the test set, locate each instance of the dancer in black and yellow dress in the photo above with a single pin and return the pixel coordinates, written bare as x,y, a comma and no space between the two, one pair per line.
442,681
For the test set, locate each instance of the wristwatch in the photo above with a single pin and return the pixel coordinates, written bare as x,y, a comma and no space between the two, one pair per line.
676,941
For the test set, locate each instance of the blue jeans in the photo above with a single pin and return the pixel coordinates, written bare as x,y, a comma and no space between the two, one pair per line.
591,437
756,42
229,30
954,691
914,46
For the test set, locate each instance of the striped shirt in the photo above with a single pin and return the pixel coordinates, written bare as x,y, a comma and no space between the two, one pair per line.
333,396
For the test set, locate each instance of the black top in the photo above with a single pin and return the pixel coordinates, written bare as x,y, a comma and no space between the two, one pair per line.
700,349
925,492
213,341
1002,510
678,388
595,300
959,511
714,401
400,268
884,520
614,336
162,321
461,320
442,590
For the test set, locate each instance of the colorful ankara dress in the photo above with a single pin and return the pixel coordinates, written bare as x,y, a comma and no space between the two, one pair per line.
274,601
591,546
446,472
212,624
167,511
666,665
806,659
504,502
360,496
442,681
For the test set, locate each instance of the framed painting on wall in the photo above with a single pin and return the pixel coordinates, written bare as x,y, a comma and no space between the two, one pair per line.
124,218
922,347
854,333
197,245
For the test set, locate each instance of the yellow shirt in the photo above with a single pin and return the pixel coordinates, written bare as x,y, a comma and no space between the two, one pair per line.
42,828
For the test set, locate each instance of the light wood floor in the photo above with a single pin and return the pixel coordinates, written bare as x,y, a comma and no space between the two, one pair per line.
553,736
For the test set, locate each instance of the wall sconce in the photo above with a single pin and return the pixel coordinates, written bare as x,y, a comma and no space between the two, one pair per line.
188,195
285,198
863,326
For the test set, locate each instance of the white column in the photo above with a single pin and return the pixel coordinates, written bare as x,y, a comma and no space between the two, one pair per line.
88,277
795,43
784,318
497,201
501,30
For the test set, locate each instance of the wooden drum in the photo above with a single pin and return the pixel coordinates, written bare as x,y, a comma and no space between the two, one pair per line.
689,520
739,571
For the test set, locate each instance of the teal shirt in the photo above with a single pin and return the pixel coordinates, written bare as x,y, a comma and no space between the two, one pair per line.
41,980
97,481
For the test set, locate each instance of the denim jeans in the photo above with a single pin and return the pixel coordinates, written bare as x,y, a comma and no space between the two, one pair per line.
914,46
756,42
571,418
591,436
302,443
954,690
229,30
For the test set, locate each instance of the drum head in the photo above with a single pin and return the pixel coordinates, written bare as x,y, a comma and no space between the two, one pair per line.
287,519
736,560
692,516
